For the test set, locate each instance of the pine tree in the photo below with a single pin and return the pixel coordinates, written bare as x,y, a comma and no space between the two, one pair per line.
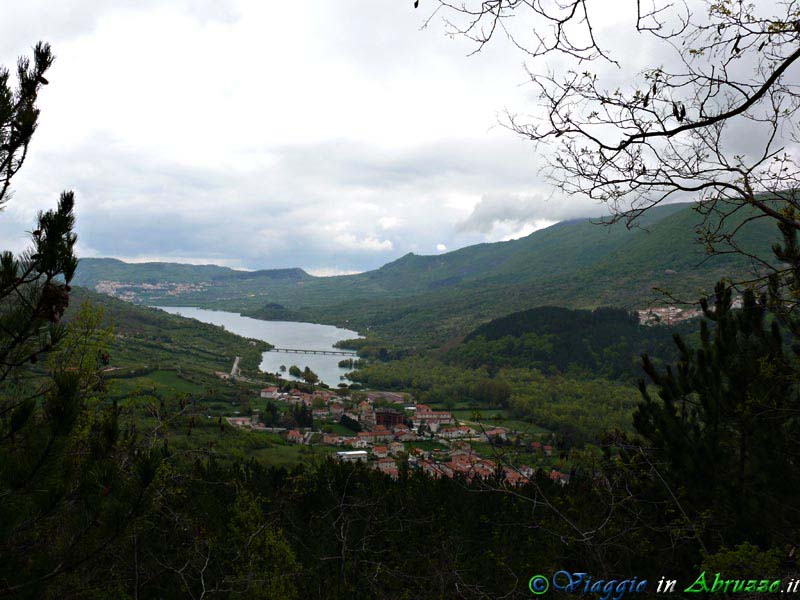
723,426
70,481
33,287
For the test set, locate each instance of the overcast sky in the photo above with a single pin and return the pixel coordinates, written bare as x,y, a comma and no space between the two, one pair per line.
333,136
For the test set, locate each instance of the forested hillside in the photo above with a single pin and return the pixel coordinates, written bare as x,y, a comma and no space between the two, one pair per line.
575,264
605,342
423,299
95,270
161,353
143,334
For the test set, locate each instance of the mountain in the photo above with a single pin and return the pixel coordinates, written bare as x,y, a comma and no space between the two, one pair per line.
94,270
162,283
425,299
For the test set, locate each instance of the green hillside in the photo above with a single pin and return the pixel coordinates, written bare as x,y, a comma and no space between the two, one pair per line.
153,348
160,283
427,299
94,270
605,342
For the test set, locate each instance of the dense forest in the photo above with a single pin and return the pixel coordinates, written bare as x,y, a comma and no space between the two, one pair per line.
584,407
605,342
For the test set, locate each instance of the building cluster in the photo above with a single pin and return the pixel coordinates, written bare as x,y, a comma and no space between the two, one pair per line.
253,422
132,292
666,315
390,432
469,465
463,461
671,315
459,461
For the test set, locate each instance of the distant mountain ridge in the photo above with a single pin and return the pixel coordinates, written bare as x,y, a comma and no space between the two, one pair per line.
575,264
94,270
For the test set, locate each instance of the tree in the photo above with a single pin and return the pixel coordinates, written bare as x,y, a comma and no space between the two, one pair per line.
270,417
37,414
723,427
713,120
301,415
261,561
309,376
71,479
19,113
90,504
351,424
495,392
32,297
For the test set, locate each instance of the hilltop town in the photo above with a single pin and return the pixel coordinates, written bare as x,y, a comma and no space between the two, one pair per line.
137,293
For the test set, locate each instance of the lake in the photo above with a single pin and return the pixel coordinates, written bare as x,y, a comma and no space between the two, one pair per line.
281,334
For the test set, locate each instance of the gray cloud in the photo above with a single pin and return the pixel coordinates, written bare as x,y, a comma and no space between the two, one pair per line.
518,210
330,136
58,22
332,206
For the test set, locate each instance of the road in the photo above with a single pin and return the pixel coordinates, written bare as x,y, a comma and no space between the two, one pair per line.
237,376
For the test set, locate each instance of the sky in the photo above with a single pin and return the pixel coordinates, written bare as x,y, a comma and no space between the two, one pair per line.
332,136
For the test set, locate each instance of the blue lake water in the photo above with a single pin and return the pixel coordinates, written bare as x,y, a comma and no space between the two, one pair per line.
281,334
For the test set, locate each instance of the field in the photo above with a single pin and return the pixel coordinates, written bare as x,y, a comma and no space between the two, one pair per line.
172,380
336,428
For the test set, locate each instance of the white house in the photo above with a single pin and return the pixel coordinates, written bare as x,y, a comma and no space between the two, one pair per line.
271,393
352,456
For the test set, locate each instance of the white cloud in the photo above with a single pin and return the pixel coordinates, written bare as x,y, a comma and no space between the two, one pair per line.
369,243
268,135
389,222
525,230
507,216
329,136
337,226
327,272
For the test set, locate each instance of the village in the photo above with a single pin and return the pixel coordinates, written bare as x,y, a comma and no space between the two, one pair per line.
672,315
135,292
388,433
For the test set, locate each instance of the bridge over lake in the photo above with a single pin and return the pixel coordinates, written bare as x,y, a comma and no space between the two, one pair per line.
302,351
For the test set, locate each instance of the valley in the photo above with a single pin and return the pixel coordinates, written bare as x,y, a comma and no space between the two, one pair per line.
544,382
423,301
507,337
419,300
